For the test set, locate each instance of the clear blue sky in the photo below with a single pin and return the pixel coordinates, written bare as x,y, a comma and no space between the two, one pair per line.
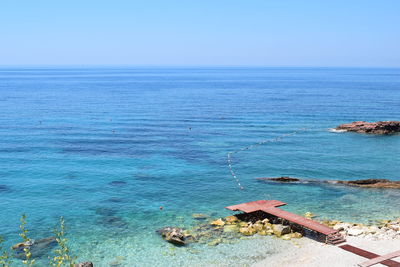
202,32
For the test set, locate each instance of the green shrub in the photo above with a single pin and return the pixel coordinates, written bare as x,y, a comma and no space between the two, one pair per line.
24,234
5,259
62,253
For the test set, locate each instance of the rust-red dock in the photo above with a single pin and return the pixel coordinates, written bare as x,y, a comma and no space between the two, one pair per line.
270,207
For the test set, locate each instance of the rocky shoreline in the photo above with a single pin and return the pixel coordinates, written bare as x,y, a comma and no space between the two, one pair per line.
383,230
380,127
226,230
233,228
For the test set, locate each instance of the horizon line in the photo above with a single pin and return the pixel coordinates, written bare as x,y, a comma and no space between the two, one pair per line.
190,66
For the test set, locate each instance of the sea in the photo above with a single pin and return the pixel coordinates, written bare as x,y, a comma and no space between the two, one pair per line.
121,151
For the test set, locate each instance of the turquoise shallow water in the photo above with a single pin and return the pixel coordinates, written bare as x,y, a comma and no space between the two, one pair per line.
105,147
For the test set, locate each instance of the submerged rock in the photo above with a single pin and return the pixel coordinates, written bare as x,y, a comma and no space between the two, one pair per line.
372,183
36,247
283,179
173,235
117,183
230,228
215,242
218,222
105,211
231,219
114,221
84,264
4,188
380,127
199,216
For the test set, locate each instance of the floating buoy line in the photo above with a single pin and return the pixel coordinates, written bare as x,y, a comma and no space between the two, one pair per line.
229,155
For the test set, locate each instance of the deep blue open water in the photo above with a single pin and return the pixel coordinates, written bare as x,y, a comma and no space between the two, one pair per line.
105,147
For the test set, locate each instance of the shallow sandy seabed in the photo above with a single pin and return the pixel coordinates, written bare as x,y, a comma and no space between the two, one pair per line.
314,254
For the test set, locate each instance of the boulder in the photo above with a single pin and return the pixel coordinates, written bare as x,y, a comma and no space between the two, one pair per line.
84,264
243,224
280,229
218,222
309,215
265,221
372,229
342,226
37,247
231,219
263,232
380,127
173,235
355,231
258,226
296,235
249,230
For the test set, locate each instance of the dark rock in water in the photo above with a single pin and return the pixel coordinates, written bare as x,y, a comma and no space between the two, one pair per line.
84,264
115,222
173,235
104,211
117,183
115,200
37,247
380,127
283,179
373,183
370,183
4,188
200,216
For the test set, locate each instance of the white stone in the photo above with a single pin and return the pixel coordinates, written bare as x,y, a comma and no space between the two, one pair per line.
342,226
354,231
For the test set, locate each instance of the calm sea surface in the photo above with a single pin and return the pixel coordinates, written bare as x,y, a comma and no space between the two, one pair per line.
105,147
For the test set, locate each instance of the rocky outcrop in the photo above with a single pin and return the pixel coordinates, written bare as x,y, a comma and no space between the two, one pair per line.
283,179
380,127
173,235
372,183
36,247
367,183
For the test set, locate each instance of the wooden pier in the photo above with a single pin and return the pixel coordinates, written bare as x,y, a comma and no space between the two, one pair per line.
374,258
270,207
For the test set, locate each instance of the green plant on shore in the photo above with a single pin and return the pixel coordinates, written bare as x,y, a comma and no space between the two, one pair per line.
24,234
62,253
5,259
